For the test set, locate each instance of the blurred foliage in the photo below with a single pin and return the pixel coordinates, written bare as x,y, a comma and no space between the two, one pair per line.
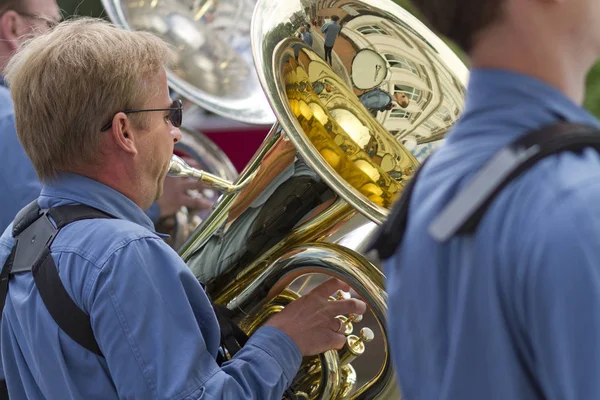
91,8
94,8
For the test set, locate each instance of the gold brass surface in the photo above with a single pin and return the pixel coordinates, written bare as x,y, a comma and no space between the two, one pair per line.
351,131
366,118
336,160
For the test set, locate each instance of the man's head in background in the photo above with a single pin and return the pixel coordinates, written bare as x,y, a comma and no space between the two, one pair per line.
401,99
22,19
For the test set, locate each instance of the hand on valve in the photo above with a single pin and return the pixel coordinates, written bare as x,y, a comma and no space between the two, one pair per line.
311,320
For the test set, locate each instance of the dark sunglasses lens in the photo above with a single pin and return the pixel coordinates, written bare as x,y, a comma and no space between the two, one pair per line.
176,114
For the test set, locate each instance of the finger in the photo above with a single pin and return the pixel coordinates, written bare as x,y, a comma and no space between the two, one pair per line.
198,203
329,287
191,162
345,307
338,341
337,325
191,184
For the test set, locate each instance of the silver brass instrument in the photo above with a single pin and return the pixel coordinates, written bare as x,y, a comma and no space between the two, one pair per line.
349,136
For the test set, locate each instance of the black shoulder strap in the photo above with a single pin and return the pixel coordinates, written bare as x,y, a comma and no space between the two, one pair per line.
465,211
389,236
233,338
67,315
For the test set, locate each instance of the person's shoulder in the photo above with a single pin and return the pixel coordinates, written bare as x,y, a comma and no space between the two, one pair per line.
557,199
565,175
563,184
98,239
552,234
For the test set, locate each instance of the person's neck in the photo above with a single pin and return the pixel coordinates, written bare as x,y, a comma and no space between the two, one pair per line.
115,176
559,64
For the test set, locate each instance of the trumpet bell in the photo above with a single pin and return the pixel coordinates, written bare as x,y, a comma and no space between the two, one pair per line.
214,67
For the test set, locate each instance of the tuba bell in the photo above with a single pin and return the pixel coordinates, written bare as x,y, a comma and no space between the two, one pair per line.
351,130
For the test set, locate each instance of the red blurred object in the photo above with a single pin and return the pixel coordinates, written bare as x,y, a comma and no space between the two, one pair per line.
238,140
239,144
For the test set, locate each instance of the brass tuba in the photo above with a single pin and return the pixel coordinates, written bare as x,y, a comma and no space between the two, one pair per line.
356,112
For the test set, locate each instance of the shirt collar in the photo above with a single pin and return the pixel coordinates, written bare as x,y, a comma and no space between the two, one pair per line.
502,93
72,188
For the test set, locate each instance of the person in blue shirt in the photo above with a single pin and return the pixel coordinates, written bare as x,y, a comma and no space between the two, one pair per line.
331,29
152,320
19,184
510,312
378,100
306,36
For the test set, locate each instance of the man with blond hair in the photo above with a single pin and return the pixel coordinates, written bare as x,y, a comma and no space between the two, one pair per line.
139,326
19,184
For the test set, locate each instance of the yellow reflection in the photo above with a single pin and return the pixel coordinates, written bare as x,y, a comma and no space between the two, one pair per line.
343,133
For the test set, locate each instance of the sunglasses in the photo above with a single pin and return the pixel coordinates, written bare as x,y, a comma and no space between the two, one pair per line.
175,114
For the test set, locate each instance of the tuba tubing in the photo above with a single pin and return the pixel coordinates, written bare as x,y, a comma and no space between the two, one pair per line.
335,261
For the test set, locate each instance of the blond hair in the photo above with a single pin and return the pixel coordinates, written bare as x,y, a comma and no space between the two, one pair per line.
68,83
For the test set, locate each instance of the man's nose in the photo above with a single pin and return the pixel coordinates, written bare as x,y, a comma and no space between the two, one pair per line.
176,133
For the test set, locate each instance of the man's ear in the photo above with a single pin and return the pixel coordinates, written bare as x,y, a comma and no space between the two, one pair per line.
12,29
122,134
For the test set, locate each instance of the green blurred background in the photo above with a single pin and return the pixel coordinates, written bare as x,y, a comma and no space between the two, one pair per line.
94,8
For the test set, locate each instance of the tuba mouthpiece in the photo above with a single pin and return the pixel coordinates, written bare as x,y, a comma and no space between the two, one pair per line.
179,168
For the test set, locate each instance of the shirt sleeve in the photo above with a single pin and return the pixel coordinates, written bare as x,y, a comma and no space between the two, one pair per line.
562,300
159,335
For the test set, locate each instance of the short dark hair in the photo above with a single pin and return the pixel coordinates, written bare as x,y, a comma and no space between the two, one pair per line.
335,18
460,20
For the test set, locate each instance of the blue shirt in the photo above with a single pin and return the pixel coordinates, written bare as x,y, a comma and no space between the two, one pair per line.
152,320
307,37
376,99
331,30
513,311
19,183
